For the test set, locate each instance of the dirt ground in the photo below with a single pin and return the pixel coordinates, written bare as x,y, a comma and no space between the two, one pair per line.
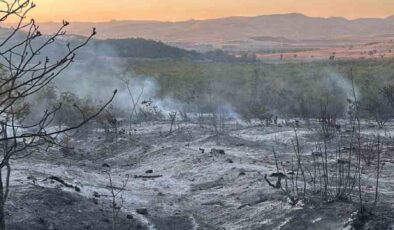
177,182
370,50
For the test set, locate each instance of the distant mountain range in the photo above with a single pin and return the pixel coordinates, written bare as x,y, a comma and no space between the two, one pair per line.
274,27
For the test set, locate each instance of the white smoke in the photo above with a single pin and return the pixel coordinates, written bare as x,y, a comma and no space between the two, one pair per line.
335,79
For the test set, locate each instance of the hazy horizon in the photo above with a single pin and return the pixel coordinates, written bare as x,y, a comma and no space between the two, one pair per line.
198,19
176,10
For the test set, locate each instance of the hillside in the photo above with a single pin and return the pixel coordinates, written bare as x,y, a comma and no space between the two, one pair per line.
144,48
140,48
123,48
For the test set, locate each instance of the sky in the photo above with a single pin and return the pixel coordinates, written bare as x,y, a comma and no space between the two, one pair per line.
180,10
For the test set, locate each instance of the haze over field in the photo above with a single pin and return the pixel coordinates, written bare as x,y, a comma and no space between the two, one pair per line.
266,36
277,27
262,28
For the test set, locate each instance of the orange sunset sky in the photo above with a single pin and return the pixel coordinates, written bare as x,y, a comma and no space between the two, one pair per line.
178,10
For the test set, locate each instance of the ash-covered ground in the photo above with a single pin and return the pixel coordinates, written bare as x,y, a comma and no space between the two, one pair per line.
177,182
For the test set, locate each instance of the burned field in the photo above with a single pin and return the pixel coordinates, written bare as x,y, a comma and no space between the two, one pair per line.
196,178
136,134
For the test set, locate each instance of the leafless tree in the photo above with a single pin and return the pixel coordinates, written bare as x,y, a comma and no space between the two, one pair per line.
116,195
134,101
173,119
25,70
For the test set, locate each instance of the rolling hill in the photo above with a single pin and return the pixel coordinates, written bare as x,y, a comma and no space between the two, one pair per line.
287,26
